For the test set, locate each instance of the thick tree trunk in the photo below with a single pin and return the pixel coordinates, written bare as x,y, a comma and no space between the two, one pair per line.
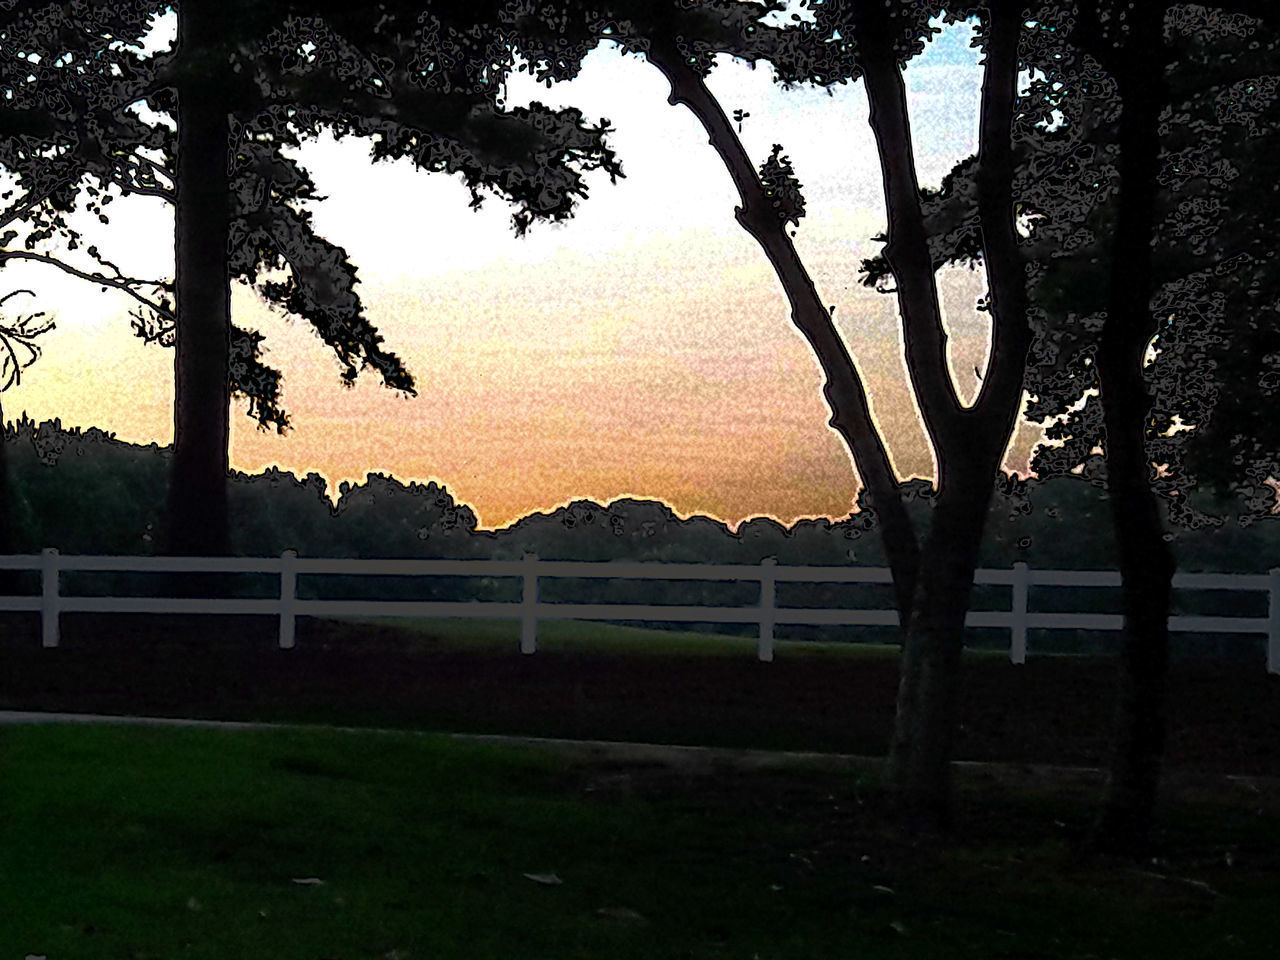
1146,568
1146,561
928,707
197,499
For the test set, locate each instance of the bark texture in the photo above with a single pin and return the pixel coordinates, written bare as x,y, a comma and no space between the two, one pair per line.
927,715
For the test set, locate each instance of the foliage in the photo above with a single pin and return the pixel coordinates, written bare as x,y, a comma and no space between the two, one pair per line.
426,87
777,176
1212,369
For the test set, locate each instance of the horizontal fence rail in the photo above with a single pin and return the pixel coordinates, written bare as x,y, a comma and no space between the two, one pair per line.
51,603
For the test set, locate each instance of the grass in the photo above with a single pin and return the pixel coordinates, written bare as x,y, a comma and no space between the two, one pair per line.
593,636
126,842
589,636
616,682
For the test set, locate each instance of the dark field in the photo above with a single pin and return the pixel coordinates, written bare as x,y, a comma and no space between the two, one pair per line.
305,843
1224,715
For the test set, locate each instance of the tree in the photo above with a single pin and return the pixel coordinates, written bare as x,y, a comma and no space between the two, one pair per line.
69,136
1157,258
933,583
871,40
1131,47
245,80
1132,248
364,84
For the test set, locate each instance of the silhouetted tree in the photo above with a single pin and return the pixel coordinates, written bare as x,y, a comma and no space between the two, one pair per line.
1130,44
258,77
933,583
872,40
1137,242
72,72
968,442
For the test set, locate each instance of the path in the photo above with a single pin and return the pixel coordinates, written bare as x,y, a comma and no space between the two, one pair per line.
694,759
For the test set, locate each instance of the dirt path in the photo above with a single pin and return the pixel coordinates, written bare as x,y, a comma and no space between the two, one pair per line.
1260,792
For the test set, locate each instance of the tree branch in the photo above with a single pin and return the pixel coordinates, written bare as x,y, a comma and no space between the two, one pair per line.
145,191
907,246
119,283
1006,278
850,411
29,202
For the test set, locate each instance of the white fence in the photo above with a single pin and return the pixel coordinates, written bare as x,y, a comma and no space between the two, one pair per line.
529,610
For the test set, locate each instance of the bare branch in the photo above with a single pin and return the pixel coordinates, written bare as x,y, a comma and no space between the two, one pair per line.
142,190
118,283
13,365
20,333
13,293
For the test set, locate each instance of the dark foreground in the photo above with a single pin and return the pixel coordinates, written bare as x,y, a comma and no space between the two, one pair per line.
298,844
1224,717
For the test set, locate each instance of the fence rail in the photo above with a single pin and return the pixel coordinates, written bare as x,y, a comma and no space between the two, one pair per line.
529,610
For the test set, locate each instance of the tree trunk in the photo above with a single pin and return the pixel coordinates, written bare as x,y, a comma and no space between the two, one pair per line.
1146,561
928,706
1146,569
9,579
197,498
968,443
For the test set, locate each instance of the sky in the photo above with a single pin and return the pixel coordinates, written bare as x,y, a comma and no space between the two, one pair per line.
643,348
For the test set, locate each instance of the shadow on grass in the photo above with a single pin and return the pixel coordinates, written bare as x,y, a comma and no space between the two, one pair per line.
146,842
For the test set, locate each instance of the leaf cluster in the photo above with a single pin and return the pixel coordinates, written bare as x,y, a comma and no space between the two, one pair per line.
423,84
1214,307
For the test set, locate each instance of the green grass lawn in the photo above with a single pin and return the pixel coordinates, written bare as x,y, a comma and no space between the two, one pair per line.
127,842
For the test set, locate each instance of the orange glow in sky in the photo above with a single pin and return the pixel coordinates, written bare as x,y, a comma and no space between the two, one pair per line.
643,349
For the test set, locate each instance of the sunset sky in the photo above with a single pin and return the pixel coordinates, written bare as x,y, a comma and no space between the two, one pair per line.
642,349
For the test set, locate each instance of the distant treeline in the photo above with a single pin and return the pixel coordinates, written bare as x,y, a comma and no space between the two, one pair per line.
84,491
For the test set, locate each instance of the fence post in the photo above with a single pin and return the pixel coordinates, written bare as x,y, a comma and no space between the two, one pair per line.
1018,621
288,593
529,606
1273,627
49,597
765,649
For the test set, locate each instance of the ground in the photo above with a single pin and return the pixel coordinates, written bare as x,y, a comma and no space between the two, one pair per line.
1224,717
